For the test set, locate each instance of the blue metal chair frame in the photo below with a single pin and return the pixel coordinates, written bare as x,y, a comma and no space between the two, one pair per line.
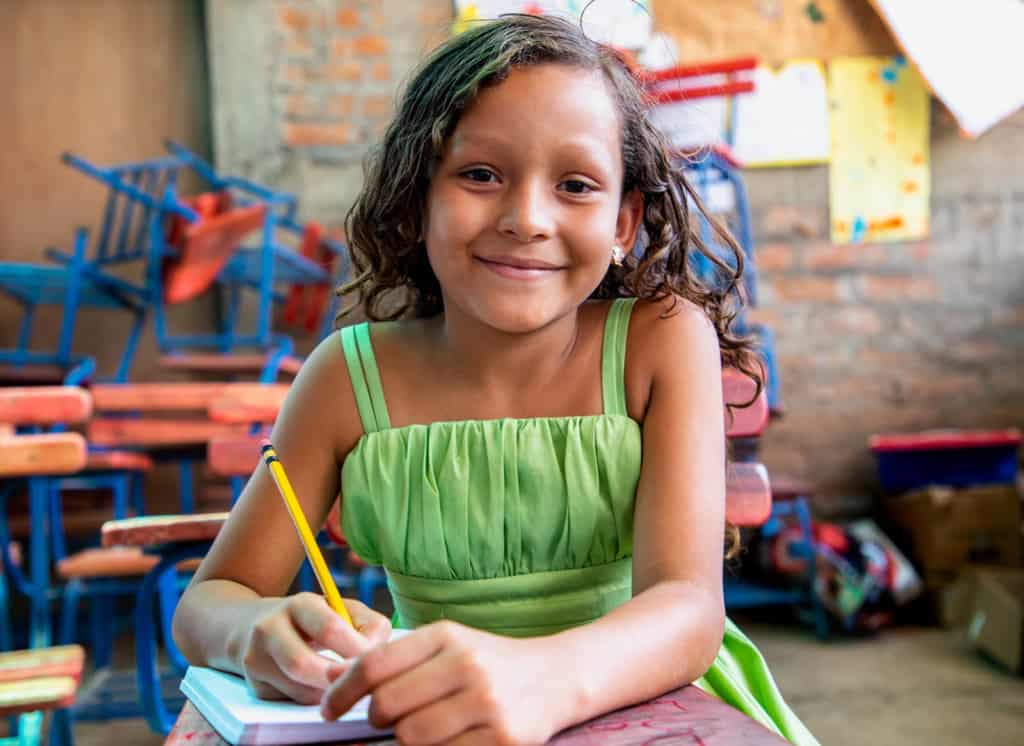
708,171
72,284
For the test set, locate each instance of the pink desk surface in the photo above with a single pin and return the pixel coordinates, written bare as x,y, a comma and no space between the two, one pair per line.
685,716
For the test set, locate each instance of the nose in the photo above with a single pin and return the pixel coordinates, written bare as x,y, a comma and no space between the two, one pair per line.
526,214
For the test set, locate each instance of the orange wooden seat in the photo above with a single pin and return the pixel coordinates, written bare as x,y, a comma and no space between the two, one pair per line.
253,403
44,405
205,248
41,679
117,461
47,453
234,455
174,414
162,529
32,695
157,397
112,562
157,433
62,660
748,494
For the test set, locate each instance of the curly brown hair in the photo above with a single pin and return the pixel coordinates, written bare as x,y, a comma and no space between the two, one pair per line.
392,276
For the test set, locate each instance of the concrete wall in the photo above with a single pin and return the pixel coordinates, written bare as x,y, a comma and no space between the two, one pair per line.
108,80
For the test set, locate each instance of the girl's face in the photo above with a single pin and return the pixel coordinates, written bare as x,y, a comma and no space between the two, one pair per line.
526,202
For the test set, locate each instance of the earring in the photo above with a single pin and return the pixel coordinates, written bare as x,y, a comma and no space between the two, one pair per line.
617,255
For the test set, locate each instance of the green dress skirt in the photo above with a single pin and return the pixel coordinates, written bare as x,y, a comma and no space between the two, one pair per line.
520,527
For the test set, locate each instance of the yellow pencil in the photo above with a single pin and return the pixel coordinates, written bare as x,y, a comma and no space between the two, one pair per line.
316,559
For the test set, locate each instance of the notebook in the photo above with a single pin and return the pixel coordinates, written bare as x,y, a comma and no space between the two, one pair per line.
239,717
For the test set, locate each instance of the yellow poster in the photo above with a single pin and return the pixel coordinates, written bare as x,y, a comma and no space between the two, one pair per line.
879,180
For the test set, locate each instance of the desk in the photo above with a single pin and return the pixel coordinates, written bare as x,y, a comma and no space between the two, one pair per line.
685,716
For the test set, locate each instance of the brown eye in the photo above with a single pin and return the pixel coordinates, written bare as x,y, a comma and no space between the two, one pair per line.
479,175
575,186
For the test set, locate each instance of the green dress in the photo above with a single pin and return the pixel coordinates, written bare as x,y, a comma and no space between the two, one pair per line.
519,527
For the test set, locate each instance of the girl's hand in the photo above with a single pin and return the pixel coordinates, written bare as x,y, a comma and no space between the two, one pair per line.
453,684
279,655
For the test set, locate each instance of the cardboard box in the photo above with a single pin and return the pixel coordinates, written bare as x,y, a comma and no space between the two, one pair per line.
945,529
988,605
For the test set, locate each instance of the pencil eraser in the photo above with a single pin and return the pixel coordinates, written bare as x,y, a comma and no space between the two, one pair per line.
265,444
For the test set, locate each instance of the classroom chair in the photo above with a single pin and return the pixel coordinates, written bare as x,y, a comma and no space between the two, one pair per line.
33,682
71,284
182,245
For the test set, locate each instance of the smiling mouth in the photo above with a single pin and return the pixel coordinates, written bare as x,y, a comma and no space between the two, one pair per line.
520,269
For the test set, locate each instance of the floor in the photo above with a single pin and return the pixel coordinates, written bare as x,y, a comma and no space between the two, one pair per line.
907,686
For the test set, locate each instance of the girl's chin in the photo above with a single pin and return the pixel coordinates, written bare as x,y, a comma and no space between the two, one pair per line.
517,318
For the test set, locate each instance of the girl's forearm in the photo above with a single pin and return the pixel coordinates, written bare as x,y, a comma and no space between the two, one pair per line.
212,621
663,638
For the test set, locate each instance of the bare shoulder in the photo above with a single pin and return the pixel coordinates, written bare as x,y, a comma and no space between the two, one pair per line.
672,325
670,340
323,397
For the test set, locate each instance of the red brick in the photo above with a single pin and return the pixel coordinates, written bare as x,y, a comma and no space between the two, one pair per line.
298,46
350,72
899,288
341,49
348,18
763,316
783,220
310,135
300,106
295,19
370,45
855,319
830,256
295,73
919,251
377,106
434,13
339,106
806,288
381,71
772,257
1008,316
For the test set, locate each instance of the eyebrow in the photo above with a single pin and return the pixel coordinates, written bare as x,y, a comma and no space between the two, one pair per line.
575,145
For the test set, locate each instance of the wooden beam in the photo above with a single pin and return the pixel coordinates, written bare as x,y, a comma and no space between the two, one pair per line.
62,660
252,403
162,529
44,405
36,455
234,456
155,397
46,693
158,433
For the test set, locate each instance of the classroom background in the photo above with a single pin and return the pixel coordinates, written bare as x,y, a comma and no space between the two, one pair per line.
173,182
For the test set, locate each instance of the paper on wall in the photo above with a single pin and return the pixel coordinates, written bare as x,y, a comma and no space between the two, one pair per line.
879,180
784,121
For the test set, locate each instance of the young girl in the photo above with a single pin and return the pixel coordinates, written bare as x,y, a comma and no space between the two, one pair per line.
531,441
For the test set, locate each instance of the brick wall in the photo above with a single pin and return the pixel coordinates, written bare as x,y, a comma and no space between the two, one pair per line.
898,336
302,88
870,338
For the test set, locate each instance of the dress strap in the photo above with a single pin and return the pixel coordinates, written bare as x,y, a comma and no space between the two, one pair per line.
613,356
362,370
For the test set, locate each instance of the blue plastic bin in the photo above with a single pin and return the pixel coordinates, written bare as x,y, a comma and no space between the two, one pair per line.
957,458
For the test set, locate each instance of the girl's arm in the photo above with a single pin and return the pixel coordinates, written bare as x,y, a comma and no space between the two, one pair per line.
447,681
669,633
233,616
